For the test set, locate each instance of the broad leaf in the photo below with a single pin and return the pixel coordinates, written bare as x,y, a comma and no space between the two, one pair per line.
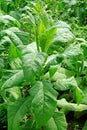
72,51
63,33
57,122
60,120
62,36
15,35
32,65
16,112
65,84
62,74
30,48
43,101
52,60
71,106
15,80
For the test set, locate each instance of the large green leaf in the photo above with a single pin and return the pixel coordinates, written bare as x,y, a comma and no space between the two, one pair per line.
59,74
60,120
62,36
33,64
16,112
57,122
15,35
51,60
30,48
72,51
65,84
43,101
63,74
71,106
63,33
15,80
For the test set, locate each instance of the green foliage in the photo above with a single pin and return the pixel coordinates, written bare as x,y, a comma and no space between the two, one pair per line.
14,80
43,101
43,65
54,123
71,106
32,67
85,126
16,111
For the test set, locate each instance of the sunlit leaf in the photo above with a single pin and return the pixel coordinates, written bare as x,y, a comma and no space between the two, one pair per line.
71,106
32,65
15,80
43,101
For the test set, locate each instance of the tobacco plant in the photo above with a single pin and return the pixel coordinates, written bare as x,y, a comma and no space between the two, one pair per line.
41,81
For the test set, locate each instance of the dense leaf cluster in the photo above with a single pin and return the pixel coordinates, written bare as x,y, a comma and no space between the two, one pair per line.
43,63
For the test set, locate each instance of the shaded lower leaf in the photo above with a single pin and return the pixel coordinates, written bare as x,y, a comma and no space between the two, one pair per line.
3,106
51,125
57,122
60,120
16,112
29,125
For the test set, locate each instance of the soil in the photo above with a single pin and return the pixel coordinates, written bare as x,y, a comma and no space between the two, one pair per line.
75,124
